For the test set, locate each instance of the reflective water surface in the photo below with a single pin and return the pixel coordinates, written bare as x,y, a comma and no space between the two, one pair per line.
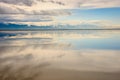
60,55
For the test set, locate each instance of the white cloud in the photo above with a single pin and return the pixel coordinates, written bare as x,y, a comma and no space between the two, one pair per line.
49,8
100,4
18,2
30,11
33,6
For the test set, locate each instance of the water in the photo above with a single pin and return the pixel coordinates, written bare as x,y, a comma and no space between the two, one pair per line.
60,55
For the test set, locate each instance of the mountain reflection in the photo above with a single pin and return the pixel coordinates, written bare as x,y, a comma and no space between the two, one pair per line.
31,55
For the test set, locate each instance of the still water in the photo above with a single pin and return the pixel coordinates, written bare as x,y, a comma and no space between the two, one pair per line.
60,55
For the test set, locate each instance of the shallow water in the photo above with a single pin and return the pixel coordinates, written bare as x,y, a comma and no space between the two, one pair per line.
60,55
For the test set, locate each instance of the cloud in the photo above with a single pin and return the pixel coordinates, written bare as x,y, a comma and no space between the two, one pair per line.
86,59
99,4
33,10
25,18
52,12
18,2
33,6
8,9
88,24
31,2
49,8
24,13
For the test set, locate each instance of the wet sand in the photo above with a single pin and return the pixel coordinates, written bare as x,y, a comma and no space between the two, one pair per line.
62,55
78,75
60,74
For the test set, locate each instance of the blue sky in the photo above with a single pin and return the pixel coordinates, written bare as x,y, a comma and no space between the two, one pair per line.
105,13
97,14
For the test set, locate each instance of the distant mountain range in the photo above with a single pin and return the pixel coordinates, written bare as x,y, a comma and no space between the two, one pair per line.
11,26
21,26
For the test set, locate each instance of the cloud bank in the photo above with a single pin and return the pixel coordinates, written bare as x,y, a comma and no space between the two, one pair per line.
46,10
33,6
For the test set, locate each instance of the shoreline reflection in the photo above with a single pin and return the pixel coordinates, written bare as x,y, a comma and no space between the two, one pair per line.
29,55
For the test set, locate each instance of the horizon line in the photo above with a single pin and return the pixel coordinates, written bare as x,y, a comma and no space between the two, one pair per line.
51,29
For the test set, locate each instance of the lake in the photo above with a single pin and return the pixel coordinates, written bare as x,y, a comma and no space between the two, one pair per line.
60,55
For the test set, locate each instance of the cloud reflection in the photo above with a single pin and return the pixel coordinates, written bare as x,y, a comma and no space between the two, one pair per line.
26,55
61,33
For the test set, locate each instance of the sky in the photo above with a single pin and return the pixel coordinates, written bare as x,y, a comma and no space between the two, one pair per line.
104,13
